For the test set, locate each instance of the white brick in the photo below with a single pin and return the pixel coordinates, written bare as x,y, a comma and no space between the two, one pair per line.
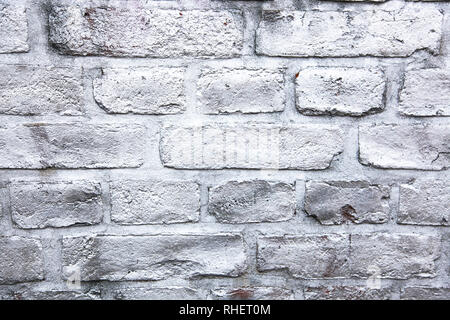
141,90
13,29
379,33
340,91
244,90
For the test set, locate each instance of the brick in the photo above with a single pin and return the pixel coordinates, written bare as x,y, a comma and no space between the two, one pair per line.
305,256
153,202
415,146
249,146
340,91
378,33
13,29
252,201
347,293
27,294
425,203
139,32
425,293
252,293
71,145
141,90
244,90
394,256
426,93
32,90
121,258
169,293
20,260
340,202
58,204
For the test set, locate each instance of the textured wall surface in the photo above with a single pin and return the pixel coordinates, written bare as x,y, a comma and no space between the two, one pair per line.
284,149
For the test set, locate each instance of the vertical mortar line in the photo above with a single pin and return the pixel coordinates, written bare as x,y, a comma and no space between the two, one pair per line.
204,200
394,203
106,199
300,192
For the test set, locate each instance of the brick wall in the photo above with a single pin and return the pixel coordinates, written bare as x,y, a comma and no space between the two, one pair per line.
189,149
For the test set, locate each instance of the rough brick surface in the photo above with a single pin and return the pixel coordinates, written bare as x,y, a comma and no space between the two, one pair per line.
154,202
119,258
418,146
224,90
141,90
425,293
170,293
30,90
21,260
347,293
74,145
394,256
252,293
59,204
340,202
307,256
13,29
250,146
355,33
340,91
425,203
134,32
426,93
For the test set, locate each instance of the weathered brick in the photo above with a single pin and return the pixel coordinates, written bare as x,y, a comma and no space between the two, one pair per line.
141,90
120,258
252,293
153,202
20,260
339,202
415,146
58,204
425,293
347,293
364,33
340,91
140,32
252,201
244,90
305,256
394,256
426,93
13,29
250,146
71,145
169,293
425,203
33,90
27,294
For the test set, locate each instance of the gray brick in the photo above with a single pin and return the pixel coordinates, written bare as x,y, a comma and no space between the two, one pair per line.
32,90
153,202
394,256
141,90
139,32
245,90
252,293
347,293
426,93
252,201
425,203
340,91
305,256
250,146
379,33
169,293
20,260
71,145
120,258
340,202
415,146
13,29
58,204
425,293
